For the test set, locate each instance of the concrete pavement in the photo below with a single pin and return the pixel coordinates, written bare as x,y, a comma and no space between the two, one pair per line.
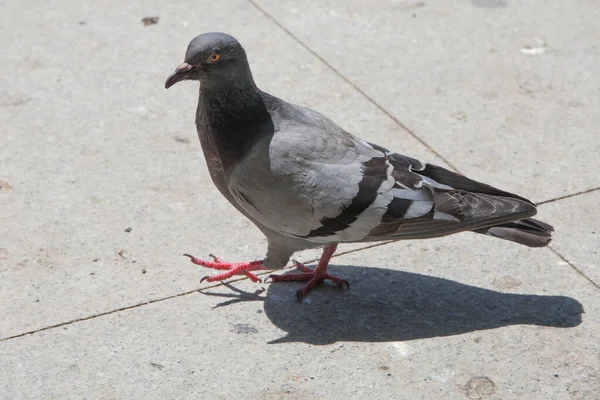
92,145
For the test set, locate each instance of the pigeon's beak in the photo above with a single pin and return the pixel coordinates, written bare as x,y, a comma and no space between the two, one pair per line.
181,73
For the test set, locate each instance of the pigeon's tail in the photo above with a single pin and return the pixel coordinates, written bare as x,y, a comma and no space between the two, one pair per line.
530,232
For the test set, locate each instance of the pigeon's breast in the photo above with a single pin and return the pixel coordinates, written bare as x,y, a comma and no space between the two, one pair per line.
214,160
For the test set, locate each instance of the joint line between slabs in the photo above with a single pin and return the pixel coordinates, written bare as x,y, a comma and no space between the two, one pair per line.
354,86
73,321
580,272
567,196
145,303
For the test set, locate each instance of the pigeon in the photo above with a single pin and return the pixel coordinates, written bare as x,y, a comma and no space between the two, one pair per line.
307,183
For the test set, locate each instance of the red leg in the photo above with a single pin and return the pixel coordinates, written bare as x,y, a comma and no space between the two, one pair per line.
241,268
312,277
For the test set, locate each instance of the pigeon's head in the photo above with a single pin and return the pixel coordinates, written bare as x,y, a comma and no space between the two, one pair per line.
213,58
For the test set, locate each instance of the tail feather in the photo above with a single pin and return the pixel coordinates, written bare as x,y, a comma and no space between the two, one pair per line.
529,232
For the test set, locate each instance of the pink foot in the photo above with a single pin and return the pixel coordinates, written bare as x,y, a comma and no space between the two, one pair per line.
312,277
241,268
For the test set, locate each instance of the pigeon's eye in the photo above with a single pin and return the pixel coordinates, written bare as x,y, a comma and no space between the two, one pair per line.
214,57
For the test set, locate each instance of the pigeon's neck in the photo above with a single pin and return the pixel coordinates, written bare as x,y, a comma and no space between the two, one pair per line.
232,97
230,120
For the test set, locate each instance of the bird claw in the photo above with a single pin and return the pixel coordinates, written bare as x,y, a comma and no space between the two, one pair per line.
230,269
338,281
216,259
312,277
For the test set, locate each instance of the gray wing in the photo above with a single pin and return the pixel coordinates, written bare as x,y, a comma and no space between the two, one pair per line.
312,180
458,203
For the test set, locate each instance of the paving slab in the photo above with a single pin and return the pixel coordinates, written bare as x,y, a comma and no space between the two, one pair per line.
504,90
576,220
457,318
93,146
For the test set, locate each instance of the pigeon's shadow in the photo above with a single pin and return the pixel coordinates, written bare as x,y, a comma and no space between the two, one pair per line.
388,305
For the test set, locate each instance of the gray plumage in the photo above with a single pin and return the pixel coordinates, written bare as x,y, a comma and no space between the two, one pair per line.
305,182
